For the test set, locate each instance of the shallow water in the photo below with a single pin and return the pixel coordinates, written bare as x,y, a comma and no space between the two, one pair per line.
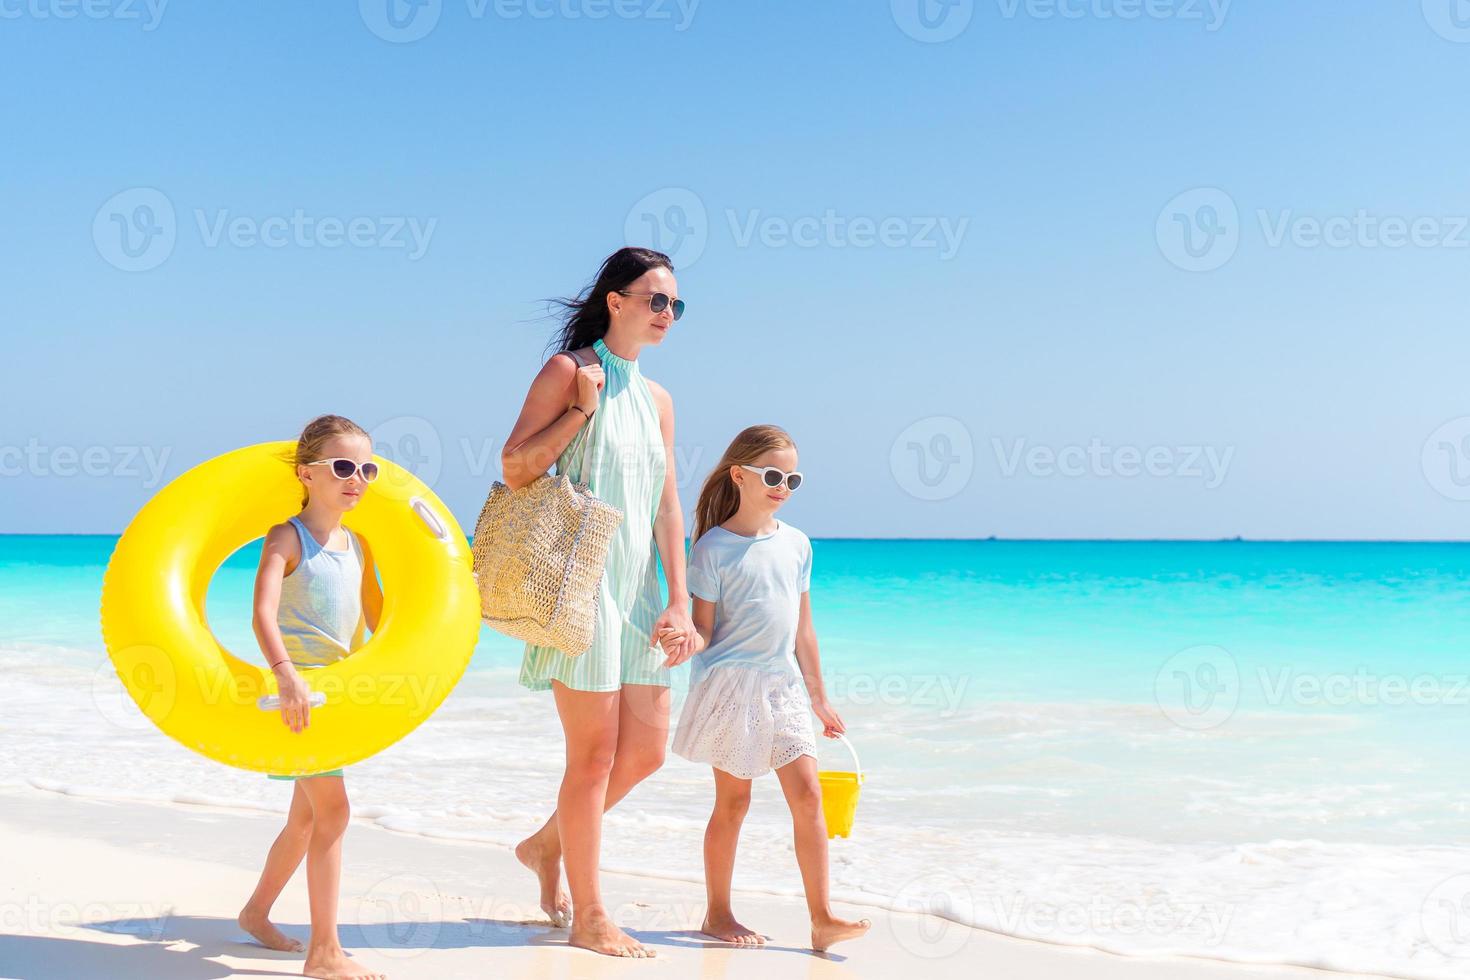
1232,749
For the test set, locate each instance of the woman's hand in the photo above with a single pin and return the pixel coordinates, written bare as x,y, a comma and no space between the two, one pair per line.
679,646
832,725
676,619
590,380
295,697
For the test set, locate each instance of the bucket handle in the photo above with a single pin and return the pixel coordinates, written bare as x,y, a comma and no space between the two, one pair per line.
858,766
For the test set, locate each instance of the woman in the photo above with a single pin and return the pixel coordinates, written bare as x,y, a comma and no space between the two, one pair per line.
613,700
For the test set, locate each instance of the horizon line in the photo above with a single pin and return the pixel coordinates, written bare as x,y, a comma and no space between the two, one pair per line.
988,539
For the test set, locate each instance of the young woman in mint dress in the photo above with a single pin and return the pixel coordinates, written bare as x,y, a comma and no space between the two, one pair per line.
613,700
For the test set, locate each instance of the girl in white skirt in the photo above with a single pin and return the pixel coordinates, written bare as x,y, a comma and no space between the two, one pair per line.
756,676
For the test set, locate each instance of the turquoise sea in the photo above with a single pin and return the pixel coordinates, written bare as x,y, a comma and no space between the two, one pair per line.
1235,749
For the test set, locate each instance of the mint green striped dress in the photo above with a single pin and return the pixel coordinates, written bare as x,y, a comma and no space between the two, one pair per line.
625,468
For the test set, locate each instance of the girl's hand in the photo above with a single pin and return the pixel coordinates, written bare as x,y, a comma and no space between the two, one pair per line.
832,725
590,380
295,698
678,646
676,618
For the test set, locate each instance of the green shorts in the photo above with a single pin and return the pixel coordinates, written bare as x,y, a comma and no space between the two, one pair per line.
334,772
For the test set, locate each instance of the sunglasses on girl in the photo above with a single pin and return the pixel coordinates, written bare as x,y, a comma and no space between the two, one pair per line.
658,302
343,469
773,478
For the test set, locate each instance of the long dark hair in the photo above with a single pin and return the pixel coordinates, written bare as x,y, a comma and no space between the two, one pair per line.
586,316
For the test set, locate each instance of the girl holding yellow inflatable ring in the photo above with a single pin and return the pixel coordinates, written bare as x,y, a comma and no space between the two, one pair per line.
315,592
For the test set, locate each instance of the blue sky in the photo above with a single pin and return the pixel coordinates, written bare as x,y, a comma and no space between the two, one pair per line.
1088,268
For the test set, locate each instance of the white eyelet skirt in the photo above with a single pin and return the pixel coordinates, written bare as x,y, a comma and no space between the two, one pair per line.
746,721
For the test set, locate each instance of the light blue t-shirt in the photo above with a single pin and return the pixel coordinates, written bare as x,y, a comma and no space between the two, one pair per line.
756,586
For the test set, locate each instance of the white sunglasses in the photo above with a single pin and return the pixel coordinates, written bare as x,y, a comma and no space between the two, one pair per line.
773,477
345,469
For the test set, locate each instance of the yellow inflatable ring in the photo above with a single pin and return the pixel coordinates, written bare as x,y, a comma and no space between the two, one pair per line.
208,698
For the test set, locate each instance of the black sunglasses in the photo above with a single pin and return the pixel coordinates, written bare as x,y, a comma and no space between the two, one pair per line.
658,302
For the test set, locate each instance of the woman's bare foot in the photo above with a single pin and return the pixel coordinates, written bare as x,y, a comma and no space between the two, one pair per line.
263,931
829,931
335,964
597,933
724,928
546,866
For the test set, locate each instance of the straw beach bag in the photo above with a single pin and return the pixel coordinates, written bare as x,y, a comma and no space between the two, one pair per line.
539,554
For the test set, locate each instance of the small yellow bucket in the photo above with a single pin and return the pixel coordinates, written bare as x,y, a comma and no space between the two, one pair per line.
840,791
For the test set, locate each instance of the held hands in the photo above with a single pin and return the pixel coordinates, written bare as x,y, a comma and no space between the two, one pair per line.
678,645
832,725
675,632
295,697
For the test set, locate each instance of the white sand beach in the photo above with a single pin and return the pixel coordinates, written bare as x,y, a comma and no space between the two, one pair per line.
99,888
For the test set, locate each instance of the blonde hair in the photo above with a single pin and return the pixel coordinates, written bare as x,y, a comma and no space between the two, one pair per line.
719,498
314,438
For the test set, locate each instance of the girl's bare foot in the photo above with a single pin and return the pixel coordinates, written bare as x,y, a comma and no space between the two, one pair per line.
724,928
829,931
596,932
334,964
263,931
546,866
